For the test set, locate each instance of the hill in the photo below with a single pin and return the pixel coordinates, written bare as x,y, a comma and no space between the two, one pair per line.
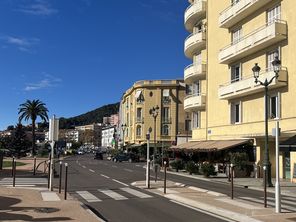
94,116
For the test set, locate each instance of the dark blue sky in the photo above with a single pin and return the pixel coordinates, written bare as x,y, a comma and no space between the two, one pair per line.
77,55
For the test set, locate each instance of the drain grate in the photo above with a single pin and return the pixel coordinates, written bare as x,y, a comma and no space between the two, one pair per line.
46,210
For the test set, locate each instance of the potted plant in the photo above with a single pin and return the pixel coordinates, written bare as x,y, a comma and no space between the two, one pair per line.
191,167
177,165
208,169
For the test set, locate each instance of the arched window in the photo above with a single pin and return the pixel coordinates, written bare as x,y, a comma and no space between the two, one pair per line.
139,130
165,130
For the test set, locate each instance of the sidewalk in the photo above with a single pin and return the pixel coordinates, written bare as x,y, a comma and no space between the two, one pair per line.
27,204
216,203
287,188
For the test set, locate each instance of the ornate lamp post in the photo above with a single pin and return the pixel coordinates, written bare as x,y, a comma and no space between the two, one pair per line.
154,113
256,70
123,127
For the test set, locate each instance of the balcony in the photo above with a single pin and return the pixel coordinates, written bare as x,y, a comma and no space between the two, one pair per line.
239,11
140,120
194,43
247,86
194,102
194,13
194,72
257,40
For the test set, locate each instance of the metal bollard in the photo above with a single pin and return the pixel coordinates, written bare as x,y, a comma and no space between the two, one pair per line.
60,179
231,166
155,170
34,171
14,173
66,181
265,193
48,176
12,165
148,174
165,169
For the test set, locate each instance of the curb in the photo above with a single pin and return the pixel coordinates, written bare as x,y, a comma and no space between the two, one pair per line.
93,212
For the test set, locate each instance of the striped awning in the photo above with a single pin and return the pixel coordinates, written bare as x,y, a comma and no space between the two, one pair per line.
210,145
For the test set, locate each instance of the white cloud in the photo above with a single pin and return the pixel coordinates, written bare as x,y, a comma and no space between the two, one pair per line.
23,44
38,7
49,81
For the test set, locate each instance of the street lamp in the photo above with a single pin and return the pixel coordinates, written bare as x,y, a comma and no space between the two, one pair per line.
256,71
154,113
123,127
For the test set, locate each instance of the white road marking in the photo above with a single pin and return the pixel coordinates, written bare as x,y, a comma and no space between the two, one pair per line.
168,191
117,181
198,189
138,166
114,166
91,170
135,192
50,196
180,184
128,170
104,176
112,194
84,167
88,196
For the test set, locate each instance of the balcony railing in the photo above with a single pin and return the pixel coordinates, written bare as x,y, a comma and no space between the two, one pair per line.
140,120
247,86
166,120
195,101
239,10
263,37
194,72
194,43
194,13
166,100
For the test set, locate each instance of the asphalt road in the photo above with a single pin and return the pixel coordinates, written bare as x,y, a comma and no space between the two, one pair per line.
105,188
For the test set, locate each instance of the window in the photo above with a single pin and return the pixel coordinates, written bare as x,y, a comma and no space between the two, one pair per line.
127,103
139,114
270,58
235,112
165,114
274,106
165,130
139,96
236,35
235,73
166,96
187,125
274,14
139,130
196,88
188,89
126,134
195,120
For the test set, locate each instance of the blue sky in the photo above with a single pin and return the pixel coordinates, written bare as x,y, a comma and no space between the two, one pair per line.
77,55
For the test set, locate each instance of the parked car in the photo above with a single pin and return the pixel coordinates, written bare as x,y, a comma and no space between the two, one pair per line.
130,157
98,156
80,152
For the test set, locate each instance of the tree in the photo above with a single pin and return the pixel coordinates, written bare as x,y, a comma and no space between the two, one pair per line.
19,142
32,110
11,127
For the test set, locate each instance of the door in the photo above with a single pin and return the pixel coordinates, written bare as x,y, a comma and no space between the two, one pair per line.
287,165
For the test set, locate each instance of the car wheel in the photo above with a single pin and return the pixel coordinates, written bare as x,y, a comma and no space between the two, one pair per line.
130,160
115,160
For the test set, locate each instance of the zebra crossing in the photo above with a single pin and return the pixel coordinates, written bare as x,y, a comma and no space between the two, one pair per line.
104,194
288,204
19,181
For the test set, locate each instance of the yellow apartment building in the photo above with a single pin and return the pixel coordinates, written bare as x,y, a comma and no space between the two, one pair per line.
135,117
226,39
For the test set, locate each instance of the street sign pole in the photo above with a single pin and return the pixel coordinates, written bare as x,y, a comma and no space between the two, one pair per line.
53,137
277,182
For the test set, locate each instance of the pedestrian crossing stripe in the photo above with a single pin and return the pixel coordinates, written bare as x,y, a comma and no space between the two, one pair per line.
89,197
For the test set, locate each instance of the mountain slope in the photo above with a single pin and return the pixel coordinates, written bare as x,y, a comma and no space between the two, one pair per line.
94,116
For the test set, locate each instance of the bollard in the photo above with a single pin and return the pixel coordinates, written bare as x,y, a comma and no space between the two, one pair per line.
229,173
265,193
12,165
48,176
60,179
165,168
231,166
66,181
14,172
148,174
155,170
34,171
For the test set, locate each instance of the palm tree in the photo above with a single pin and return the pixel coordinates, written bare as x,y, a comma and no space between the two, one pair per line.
31,110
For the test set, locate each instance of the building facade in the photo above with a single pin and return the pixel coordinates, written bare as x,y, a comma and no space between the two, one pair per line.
109,136
135,117
230,36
